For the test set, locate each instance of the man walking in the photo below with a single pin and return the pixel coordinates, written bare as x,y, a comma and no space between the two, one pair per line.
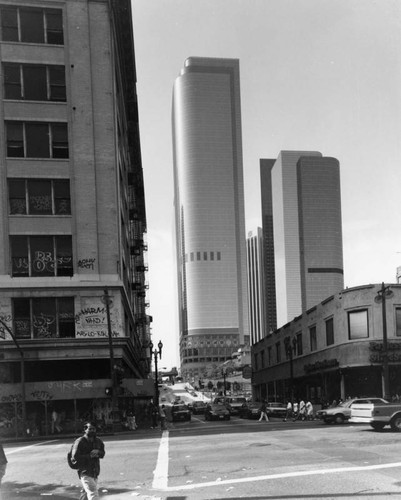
263,412
3,465
86,452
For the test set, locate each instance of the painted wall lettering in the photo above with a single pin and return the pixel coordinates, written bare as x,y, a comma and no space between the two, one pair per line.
86,264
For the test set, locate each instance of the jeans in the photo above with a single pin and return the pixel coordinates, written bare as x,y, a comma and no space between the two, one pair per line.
89,484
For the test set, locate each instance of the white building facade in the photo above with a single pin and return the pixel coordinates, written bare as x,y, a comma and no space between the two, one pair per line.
209,208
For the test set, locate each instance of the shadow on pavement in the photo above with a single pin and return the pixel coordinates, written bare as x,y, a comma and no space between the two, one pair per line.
31,491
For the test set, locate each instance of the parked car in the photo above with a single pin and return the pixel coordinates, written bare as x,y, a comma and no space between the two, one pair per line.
198,407
250,410
216,411
275,409
342,412
180,411
232,403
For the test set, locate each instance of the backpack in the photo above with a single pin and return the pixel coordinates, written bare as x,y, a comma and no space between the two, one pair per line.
73,465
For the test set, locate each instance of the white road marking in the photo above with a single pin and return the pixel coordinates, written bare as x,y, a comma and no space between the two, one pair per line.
160,474
16,450
280,476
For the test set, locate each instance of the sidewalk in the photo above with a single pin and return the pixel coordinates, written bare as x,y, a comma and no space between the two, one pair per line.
125,432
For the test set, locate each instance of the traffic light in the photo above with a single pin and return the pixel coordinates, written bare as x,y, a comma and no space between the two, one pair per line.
108,391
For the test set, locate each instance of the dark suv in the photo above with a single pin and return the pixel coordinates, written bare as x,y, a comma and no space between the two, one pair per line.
180,411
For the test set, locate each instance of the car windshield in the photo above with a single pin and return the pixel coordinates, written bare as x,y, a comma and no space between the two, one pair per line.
238,400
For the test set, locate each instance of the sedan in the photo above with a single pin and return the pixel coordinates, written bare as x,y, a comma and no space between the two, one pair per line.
198,407
274,409
216,412
250,410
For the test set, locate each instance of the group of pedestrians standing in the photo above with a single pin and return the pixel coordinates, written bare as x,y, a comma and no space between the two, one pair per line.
299,411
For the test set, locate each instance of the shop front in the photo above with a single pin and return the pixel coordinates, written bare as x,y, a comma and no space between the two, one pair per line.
64,406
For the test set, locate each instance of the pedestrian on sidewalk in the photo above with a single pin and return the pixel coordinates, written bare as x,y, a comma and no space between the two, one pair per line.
288,413
86,452
263,412
3,465
162,415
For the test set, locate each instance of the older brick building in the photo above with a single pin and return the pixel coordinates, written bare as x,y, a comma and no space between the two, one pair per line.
72,213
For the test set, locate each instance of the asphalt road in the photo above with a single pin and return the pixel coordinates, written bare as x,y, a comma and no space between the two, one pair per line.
220,460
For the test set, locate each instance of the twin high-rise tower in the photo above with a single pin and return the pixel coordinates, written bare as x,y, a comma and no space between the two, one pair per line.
210,219
300,210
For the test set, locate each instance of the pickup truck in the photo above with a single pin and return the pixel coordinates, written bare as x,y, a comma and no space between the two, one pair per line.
378,413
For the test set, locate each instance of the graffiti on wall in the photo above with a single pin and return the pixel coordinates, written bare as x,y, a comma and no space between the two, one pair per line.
91,320
6,317
87,264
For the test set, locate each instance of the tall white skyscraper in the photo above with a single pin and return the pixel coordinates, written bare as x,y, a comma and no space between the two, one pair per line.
209,208
308,252
254,254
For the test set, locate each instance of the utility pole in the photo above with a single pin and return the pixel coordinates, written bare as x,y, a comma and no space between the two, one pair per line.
290,348
114,398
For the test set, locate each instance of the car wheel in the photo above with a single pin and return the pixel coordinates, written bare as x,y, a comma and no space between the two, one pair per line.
396,423
377,426
339,418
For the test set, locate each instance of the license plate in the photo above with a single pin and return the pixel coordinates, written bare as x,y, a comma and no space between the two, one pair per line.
221,416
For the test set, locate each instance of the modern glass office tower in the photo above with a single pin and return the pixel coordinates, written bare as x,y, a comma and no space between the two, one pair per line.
209,207
306,209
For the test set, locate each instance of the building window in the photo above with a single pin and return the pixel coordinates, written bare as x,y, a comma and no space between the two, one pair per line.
312,337
278,352
204,255
198,256
262,359
218,255
358,327
398,321
299,347
37,140
211,255
41,256
269,356
34,82
46,317
256,361
32,25
39,197
330,331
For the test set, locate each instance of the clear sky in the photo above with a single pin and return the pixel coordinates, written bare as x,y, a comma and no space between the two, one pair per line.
320,75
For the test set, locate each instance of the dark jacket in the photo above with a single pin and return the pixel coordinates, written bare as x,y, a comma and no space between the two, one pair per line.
80,455
3,459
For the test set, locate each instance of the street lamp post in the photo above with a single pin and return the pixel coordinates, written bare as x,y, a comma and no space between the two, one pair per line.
290,349
156,353
23,398
382,294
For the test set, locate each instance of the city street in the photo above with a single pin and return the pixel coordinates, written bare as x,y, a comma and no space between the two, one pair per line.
221,460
